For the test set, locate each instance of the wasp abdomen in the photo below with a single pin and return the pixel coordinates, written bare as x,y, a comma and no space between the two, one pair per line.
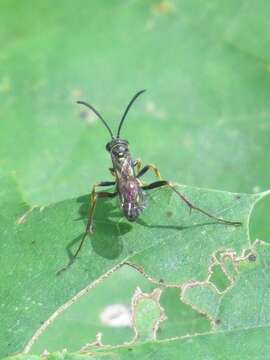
131,198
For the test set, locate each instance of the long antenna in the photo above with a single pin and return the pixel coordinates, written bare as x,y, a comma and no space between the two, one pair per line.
127,110
98,114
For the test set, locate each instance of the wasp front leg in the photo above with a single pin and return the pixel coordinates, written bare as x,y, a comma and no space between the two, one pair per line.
112,171
89,227
138,164
191,206
93,198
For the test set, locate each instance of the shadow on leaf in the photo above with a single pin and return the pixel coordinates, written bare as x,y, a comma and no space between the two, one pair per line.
106,240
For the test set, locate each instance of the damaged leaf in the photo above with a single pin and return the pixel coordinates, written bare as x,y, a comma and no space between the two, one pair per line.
147,314
246,303
175,248
242,329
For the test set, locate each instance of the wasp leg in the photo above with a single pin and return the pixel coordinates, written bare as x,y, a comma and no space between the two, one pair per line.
112,171
191,206
89,230
138,165
89,227
149,167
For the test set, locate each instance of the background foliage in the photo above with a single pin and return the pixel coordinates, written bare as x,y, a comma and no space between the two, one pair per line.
204,119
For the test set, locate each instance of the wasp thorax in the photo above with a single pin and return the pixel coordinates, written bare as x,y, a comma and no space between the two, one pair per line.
117,147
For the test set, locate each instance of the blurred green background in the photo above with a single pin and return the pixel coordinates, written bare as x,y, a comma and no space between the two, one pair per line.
204,120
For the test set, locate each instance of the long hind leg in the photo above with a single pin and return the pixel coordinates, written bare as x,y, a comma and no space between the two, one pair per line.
191,206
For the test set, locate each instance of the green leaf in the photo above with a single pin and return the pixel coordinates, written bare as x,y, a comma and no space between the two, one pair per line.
242,330
204,120
252,344
177,247
105,309
80,323
243,305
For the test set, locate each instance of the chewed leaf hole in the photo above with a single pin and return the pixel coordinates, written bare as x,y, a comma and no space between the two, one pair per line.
219,279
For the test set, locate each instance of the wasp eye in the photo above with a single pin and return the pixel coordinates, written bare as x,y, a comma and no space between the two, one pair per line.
108,147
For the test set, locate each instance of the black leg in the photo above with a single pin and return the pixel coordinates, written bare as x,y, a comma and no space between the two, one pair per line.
112,171
149,167
160,183
104,183
89,227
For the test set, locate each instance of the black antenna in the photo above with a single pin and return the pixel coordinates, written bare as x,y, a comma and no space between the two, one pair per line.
127,109
98,114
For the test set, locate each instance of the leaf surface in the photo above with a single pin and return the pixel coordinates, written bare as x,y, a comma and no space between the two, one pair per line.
177,248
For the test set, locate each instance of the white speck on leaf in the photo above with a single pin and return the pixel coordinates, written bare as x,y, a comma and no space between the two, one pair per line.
256,189
117,315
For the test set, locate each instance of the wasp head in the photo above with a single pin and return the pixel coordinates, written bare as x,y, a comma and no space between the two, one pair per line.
118,148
